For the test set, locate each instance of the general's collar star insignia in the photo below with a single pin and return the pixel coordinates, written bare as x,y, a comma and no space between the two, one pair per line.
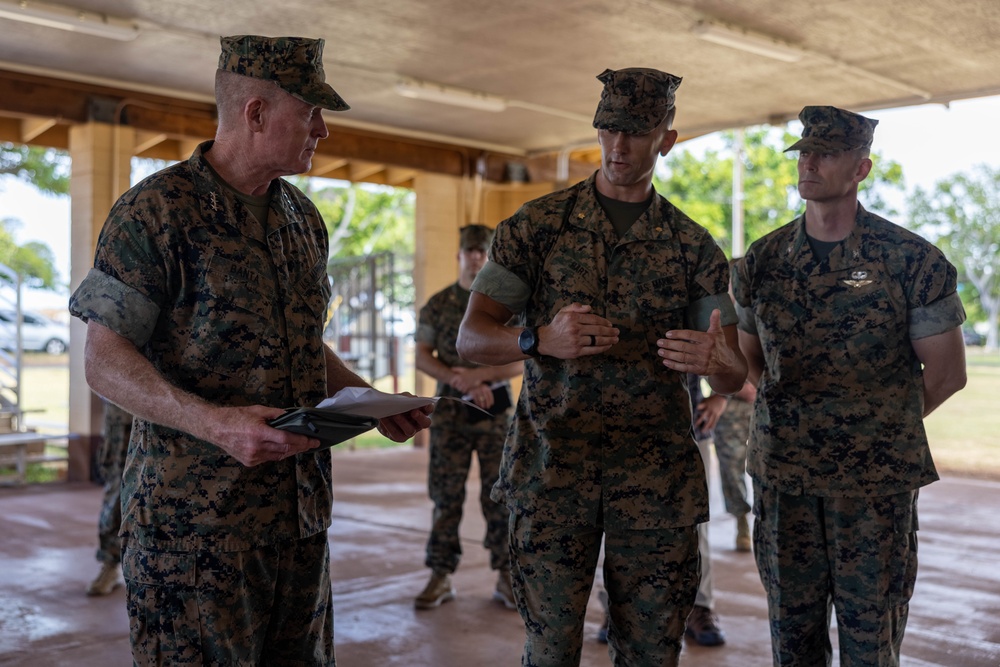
858,279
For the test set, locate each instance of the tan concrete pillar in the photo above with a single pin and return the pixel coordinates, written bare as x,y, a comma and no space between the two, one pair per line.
501,200
101,156
439,213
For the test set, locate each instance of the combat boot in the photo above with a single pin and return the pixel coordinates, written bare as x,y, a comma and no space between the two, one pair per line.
438,590
504,592
107,580
743,542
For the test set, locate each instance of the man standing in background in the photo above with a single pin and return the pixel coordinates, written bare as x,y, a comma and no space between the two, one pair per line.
457,430
110,462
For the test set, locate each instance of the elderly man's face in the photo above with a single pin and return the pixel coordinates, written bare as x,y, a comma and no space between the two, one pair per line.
294,128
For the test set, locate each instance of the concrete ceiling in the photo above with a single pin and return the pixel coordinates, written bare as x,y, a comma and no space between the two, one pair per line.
541,57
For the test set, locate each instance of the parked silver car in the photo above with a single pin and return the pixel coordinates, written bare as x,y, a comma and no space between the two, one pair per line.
38,333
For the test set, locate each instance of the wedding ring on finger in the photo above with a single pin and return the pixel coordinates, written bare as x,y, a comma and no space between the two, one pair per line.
593,340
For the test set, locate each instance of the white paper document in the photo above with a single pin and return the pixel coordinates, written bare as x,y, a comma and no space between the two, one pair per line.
369,402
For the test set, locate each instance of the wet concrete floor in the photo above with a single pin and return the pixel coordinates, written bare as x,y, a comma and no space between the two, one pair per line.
381,515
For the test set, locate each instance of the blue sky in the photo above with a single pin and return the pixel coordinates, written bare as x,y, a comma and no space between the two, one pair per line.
931,142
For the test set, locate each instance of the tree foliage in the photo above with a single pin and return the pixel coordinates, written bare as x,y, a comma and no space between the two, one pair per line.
702,186
48,171
364,219
46,168
961,214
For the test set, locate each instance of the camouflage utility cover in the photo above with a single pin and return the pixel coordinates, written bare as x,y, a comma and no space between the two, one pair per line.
635,100
294,63
229,309
833,129
839,403
610,432
475,237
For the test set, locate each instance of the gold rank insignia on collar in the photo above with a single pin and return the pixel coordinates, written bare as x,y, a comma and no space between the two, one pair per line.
858,279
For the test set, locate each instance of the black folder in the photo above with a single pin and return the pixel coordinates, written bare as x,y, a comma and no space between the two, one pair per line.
330,428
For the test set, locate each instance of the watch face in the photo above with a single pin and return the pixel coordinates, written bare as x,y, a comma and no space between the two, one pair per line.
528,342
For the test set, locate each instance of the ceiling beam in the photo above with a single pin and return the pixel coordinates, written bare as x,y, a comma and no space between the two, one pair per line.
146,141
34,127
58,103
322,165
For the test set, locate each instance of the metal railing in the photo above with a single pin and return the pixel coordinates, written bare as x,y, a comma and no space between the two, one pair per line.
19,446
370,313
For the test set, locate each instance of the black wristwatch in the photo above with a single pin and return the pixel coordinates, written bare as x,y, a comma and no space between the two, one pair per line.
528,341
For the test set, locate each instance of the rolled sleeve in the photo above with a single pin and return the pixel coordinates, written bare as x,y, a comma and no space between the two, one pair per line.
747,322
700,311
103,299
936,318
502,286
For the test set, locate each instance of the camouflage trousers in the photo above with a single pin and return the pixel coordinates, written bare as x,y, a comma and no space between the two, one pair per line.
110,462
856,555
450,460
730,439
266,606
651,577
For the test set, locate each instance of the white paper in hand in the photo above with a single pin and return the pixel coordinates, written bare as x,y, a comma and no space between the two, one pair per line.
370,402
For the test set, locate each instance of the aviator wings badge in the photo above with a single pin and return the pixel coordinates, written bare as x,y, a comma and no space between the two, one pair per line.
858,279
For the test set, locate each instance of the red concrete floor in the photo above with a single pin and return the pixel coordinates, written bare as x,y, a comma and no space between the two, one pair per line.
381,515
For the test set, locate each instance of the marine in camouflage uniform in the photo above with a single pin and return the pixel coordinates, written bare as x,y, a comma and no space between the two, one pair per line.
110,462
837,330
730,439
458,431
601,446
205,311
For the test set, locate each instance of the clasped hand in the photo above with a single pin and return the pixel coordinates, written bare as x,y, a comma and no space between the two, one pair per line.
577,332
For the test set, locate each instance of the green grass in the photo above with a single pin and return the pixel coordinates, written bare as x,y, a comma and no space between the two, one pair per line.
964,432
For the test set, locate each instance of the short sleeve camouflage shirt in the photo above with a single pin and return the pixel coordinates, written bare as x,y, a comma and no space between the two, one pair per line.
839,405
437,326
230,309
607,437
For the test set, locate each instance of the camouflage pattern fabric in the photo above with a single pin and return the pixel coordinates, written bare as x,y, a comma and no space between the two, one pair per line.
839,403
454,437
448,470
608,436
635,100
651,577
860,554
110,462
604,441
295,64
232,310
837,440
437,325
833,129
730,440
205,607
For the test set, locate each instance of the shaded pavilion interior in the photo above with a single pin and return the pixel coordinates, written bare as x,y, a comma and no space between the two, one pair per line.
534,63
